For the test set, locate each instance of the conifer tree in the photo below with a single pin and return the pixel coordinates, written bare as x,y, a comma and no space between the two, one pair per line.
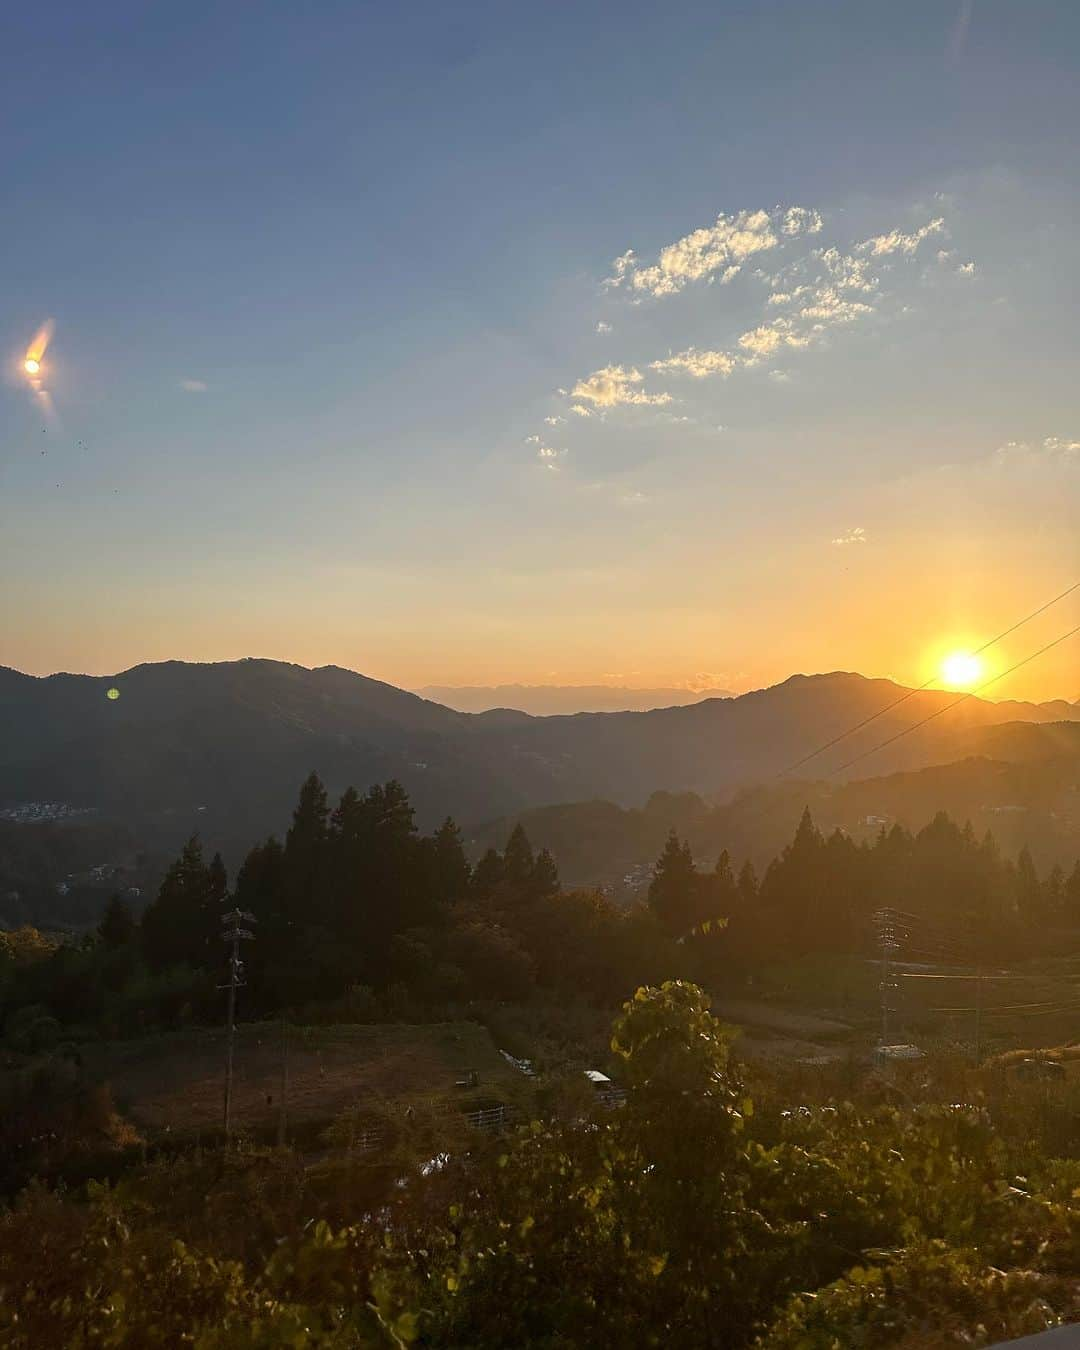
518,860
544,881
451,873
673,889
180,927
488,875
117,927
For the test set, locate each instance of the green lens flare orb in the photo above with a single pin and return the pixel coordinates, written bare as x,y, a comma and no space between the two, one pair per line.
113,694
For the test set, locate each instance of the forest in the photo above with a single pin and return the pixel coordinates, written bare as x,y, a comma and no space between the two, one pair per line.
714,1201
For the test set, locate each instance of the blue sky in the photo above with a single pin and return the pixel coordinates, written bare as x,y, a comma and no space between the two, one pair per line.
319,275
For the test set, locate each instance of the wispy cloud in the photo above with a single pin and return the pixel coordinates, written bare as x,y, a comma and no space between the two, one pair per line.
1060,451
194,386
713,252
855,536
697,363
548,455
769,338
615,385
896,241
813,289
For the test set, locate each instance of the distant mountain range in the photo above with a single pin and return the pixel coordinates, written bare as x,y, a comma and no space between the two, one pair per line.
1031,798
547,700
223,747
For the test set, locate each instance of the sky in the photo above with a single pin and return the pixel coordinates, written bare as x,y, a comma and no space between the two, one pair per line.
696,344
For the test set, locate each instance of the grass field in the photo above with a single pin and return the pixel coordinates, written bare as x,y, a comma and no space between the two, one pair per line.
174,1083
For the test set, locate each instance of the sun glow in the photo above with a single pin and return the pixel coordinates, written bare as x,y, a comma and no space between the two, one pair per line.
31,366
961,670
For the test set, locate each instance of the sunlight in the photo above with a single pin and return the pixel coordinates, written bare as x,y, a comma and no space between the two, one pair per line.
961,670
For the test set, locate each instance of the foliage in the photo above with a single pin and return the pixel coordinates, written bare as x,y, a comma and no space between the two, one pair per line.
684,1218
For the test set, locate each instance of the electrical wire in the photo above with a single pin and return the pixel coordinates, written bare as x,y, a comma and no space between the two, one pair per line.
971,693
910,693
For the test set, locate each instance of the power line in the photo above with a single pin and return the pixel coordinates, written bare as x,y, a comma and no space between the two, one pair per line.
910,693
971,693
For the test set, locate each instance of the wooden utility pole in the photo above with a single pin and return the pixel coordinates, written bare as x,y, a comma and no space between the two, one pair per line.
234,934
978,1014
282,1119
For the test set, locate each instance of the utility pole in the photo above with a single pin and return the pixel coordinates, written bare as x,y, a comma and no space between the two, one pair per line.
282,1121
234,934
885,921
978,1013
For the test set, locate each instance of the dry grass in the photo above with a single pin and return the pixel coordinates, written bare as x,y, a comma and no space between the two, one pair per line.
174,1083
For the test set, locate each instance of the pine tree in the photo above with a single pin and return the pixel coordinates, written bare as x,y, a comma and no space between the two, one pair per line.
748,883
180,927
518,860
488,875
1028,889
451,874
544,881
304,863
674,885
117,927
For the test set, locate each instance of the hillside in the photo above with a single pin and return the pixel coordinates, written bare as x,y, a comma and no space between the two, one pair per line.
222,747
1033,800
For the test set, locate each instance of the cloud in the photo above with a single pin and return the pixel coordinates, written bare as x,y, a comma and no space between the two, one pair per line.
716,250
787,297
829,308
549,456
554,421
769,338
855,536
896,241
194,386
697,363
814,290
615,385
801,220
632,499
1057,445
846,271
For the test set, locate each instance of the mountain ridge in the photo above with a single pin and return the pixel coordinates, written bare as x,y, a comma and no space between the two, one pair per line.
223,745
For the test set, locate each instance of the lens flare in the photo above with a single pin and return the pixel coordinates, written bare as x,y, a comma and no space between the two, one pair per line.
39,345
961,670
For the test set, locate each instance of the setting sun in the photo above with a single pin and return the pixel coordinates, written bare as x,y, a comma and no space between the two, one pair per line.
31,366
961,670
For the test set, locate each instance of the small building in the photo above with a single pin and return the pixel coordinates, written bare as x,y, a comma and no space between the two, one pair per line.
897,1054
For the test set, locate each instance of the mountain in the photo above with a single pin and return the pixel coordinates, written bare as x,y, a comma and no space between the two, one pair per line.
223,747
547,700
1033,801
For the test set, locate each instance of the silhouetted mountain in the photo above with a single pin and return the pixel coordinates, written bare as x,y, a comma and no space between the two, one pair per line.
548,700
223,746
1034,801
